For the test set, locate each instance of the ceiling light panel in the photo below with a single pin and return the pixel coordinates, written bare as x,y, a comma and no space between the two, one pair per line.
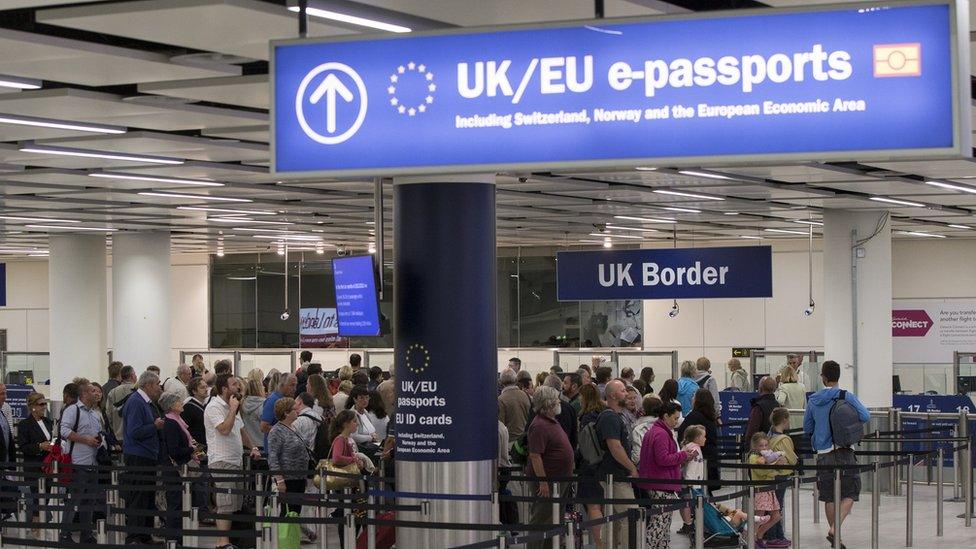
687,194
86,153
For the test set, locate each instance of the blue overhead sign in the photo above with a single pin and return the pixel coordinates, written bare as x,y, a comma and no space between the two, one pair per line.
864,82
679,273
357,301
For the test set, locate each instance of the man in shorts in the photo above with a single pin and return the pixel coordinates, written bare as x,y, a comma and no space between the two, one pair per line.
816,425
226,439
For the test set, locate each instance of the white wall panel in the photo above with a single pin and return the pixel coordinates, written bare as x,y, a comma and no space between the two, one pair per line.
190,307
684,330
734,322
15,322
37,323
786,325
933,268
27,285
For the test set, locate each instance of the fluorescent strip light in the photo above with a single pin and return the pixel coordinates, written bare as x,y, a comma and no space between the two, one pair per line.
685,210
951,186
689,195
22,251
730,213
38,219
619,228
289,237
257,230
703,174
19,83
919,233
894,201
59,124
645,219
591,241
749,237
251,221
66,151
645,169
242,278
808,222
58,227
224,210
177,180
960,226
195,197
617,236
785,231
352,19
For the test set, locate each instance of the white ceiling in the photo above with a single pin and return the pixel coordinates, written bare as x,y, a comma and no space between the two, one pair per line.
126,63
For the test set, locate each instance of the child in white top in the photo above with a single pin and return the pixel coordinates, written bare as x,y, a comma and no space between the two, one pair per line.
694,469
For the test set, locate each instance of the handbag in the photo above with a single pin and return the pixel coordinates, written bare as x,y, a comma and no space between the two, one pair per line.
289,534
58,456
333,482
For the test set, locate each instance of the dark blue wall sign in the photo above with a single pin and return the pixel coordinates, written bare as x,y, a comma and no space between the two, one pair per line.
820,83
444,299
952,404
736,406
666,273
3,284
17,399
357,306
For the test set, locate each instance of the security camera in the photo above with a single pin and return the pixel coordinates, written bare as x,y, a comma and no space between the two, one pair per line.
674,310
285,315
602,227
809,310
523,179
340,250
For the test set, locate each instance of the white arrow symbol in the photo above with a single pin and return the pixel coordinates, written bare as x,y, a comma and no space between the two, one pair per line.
329,87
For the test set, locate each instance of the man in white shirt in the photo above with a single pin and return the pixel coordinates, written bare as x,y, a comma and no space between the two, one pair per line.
308,421
226,440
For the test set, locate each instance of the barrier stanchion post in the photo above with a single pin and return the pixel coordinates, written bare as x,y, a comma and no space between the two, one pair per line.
496,507
263,540
194,541
321,529
875,504
171,544
750,518
56,515
275,512
570,533
700,520
795,510
270,541
555,513
187,500
609,530
348,523
370,527
910,503
631,527
957,467
641,529
938,494
41,490
816,503
22,517
837,509
895,488
114,519
967,466
101,534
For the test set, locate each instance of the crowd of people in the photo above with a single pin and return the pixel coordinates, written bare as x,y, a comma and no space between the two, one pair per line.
604,431
610,434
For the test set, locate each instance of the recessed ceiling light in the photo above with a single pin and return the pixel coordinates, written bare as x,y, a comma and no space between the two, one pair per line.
685,210
920,233
195,197
19,83
619,228
809,222
225,210
960,226
59,124
288,237
704,174
259,230
750,237
950,186
247,221
177,180
38,219
786,231
617,236
73,228
645,219
645,169
21,251
67,151
895,201
352,19
689,195
730,213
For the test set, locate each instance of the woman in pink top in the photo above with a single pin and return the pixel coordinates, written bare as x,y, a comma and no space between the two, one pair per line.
344,425
660,458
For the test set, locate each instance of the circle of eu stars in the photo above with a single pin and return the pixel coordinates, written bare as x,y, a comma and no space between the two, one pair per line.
429,86
417,358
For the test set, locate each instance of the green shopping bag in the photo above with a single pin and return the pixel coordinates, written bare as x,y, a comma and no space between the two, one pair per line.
289,534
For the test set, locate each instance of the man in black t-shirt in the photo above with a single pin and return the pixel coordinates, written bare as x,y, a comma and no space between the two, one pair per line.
615,439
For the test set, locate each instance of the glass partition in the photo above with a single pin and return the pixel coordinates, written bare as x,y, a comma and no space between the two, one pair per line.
383,358
924,378
570,361
21,368
664,363
964,372
283,361
209,357
769,363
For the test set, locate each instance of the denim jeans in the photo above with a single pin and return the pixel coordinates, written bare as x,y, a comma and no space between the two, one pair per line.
82,492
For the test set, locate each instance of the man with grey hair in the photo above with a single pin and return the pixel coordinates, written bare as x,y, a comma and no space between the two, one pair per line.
287,385
795,361
177,384
140,448
550,455
706,380
117,398
513,406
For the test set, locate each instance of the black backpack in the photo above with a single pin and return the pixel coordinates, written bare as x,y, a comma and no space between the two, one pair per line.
322,446
846,427
701,382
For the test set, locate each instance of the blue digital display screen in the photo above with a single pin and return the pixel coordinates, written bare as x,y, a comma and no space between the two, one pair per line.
357,303
854,83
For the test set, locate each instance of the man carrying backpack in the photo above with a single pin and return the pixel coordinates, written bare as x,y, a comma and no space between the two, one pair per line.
706,380
834,421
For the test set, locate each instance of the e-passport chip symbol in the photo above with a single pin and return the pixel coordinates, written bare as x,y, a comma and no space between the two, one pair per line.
897,60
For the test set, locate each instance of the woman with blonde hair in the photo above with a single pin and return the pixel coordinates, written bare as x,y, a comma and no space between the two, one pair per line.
271,381
791,394
253,403
324,406
340,398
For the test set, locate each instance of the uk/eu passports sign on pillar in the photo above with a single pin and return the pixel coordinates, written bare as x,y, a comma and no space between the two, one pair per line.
868,81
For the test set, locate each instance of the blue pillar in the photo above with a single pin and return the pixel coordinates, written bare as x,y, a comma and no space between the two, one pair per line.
446,358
